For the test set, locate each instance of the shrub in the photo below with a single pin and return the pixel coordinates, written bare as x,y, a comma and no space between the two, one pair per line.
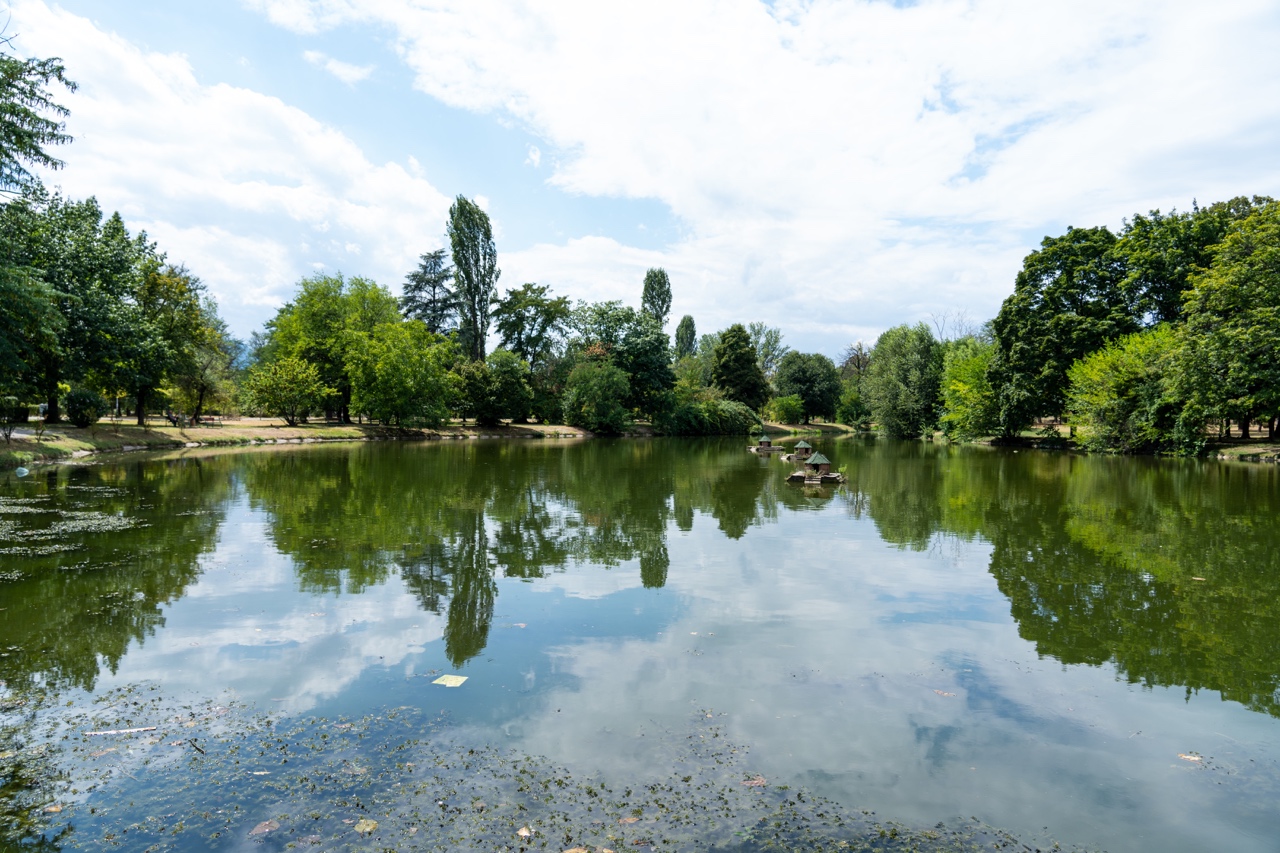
785,410
593,397
1119,395
12,413
84,407
712,417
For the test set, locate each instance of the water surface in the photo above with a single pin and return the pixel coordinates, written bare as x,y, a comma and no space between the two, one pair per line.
1079,649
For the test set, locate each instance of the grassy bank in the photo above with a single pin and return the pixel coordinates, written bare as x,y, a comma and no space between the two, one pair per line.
64,441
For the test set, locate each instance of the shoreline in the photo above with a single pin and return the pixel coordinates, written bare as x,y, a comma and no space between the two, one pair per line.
65,443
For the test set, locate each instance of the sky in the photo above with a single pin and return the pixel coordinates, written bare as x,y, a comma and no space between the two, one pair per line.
829,168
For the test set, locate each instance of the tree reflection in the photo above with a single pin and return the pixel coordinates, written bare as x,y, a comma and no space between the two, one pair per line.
451,519
1168,570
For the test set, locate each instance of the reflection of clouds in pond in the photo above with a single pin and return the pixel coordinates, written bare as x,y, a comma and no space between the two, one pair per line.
838,684
229,631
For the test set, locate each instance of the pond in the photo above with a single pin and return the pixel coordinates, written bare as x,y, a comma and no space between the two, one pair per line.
665,646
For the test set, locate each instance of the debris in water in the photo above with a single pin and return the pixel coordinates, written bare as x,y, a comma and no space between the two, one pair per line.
54,809
265,827
364,826
757,781
524,832
943,693
121,731
1192,757
450,680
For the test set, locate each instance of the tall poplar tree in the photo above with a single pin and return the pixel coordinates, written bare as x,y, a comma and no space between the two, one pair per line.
686,337
655,300
475,261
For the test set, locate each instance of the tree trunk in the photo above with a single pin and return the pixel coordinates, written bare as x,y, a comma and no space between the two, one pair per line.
142,407
195,416
1244,428
1271,428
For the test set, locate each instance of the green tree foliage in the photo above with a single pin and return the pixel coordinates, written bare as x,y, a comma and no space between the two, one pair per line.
512,394
475,261
655,299
289,388
400,375
85,407
901,386
30,325
91,265
428,295
785,410
851,409
814,379
968,403
30,120
736,370
1068,300
770,350
207,377
1120,395
594,394
1229,364
161,325
710,417
634,342
686,338
531,322
328,317
1162,251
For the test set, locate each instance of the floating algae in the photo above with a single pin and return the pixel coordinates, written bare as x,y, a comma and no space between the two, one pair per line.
212,776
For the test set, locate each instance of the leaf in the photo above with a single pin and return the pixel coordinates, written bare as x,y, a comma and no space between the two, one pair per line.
577,850
265,827
451,680
53,809
1185,757
364,826
757,782
626,820
524,832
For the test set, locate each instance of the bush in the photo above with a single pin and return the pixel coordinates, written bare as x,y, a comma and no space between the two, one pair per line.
712,417
785,410
84,407
593,397
1119,395
12,413
288,388
852,411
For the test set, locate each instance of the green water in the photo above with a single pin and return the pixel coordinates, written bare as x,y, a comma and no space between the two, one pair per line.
1061,648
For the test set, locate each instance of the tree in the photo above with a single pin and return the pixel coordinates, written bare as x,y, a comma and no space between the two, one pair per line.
593,397
1068,300
1229,361
509,375
289,388
814,379
26,128
736,370
655,299
206,378
1119,396
770,350
686,338
1162,251
30,324
968,403
161,325
476,272
786,410
427,295
91,265
530,322
400,375
855,361
901,386
645,354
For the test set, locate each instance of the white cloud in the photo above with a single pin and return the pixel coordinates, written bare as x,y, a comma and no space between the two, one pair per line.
535,157
344,71
248,191
858,162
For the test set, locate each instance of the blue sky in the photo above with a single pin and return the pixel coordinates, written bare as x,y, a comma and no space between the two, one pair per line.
829,168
